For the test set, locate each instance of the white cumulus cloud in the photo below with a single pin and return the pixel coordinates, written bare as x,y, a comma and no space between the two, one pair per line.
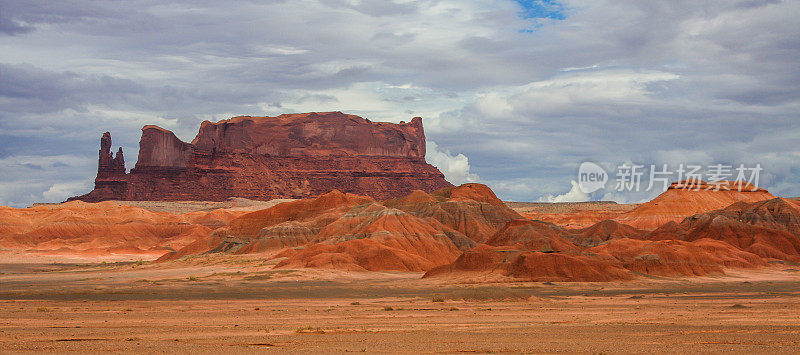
61,191
454,167
573,195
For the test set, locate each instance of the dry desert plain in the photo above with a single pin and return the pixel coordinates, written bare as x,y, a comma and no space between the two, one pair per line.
67,285
242,305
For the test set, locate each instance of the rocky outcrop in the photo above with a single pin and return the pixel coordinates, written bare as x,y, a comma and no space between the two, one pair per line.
109,165
262,158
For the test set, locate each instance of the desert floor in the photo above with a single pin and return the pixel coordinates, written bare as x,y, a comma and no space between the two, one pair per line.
241,305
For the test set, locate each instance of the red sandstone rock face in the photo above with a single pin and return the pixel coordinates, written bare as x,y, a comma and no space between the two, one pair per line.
262,158
313,134
109,166
160,148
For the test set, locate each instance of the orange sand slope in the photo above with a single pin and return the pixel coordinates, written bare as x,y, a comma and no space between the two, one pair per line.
103,230
742,235
683,199
571,214
770,228
460,233
344,231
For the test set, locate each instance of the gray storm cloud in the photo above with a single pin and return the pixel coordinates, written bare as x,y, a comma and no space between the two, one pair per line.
523,99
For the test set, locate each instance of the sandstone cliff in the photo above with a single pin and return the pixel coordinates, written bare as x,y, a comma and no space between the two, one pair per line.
288,156
160,148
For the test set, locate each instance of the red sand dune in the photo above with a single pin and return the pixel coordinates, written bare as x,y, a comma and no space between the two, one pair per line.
461,233
95,229
201,245
575,219
486,263
677,258
530,235
604,231
315,213
682,200
375,237
437,232
540,251
472,209
213,219
770,228
413,233
525,250
357,254
288,224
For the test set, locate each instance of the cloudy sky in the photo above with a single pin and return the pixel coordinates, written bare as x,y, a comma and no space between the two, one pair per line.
514,94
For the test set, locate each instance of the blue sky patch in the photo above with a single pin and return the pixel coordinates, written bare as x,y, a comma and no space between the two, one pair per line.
541,9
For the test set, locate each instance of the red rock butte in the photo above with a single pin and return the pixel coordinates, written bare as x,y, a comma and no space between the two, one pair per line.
262,158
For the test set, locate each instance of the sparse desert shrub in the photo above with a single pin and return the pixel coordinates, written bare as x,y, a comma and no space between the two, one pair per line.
490,293
192,278
355,303
310,329
42,309
438,299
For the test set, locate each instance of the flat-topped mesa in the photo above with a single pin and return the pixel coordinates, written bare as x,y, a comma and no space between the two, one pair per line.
288,156
313,134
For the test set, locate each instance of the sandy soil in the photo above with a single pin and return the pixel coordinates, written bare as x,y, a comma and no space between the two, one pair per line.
238,304
573,215
569,207
233,203
244,204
